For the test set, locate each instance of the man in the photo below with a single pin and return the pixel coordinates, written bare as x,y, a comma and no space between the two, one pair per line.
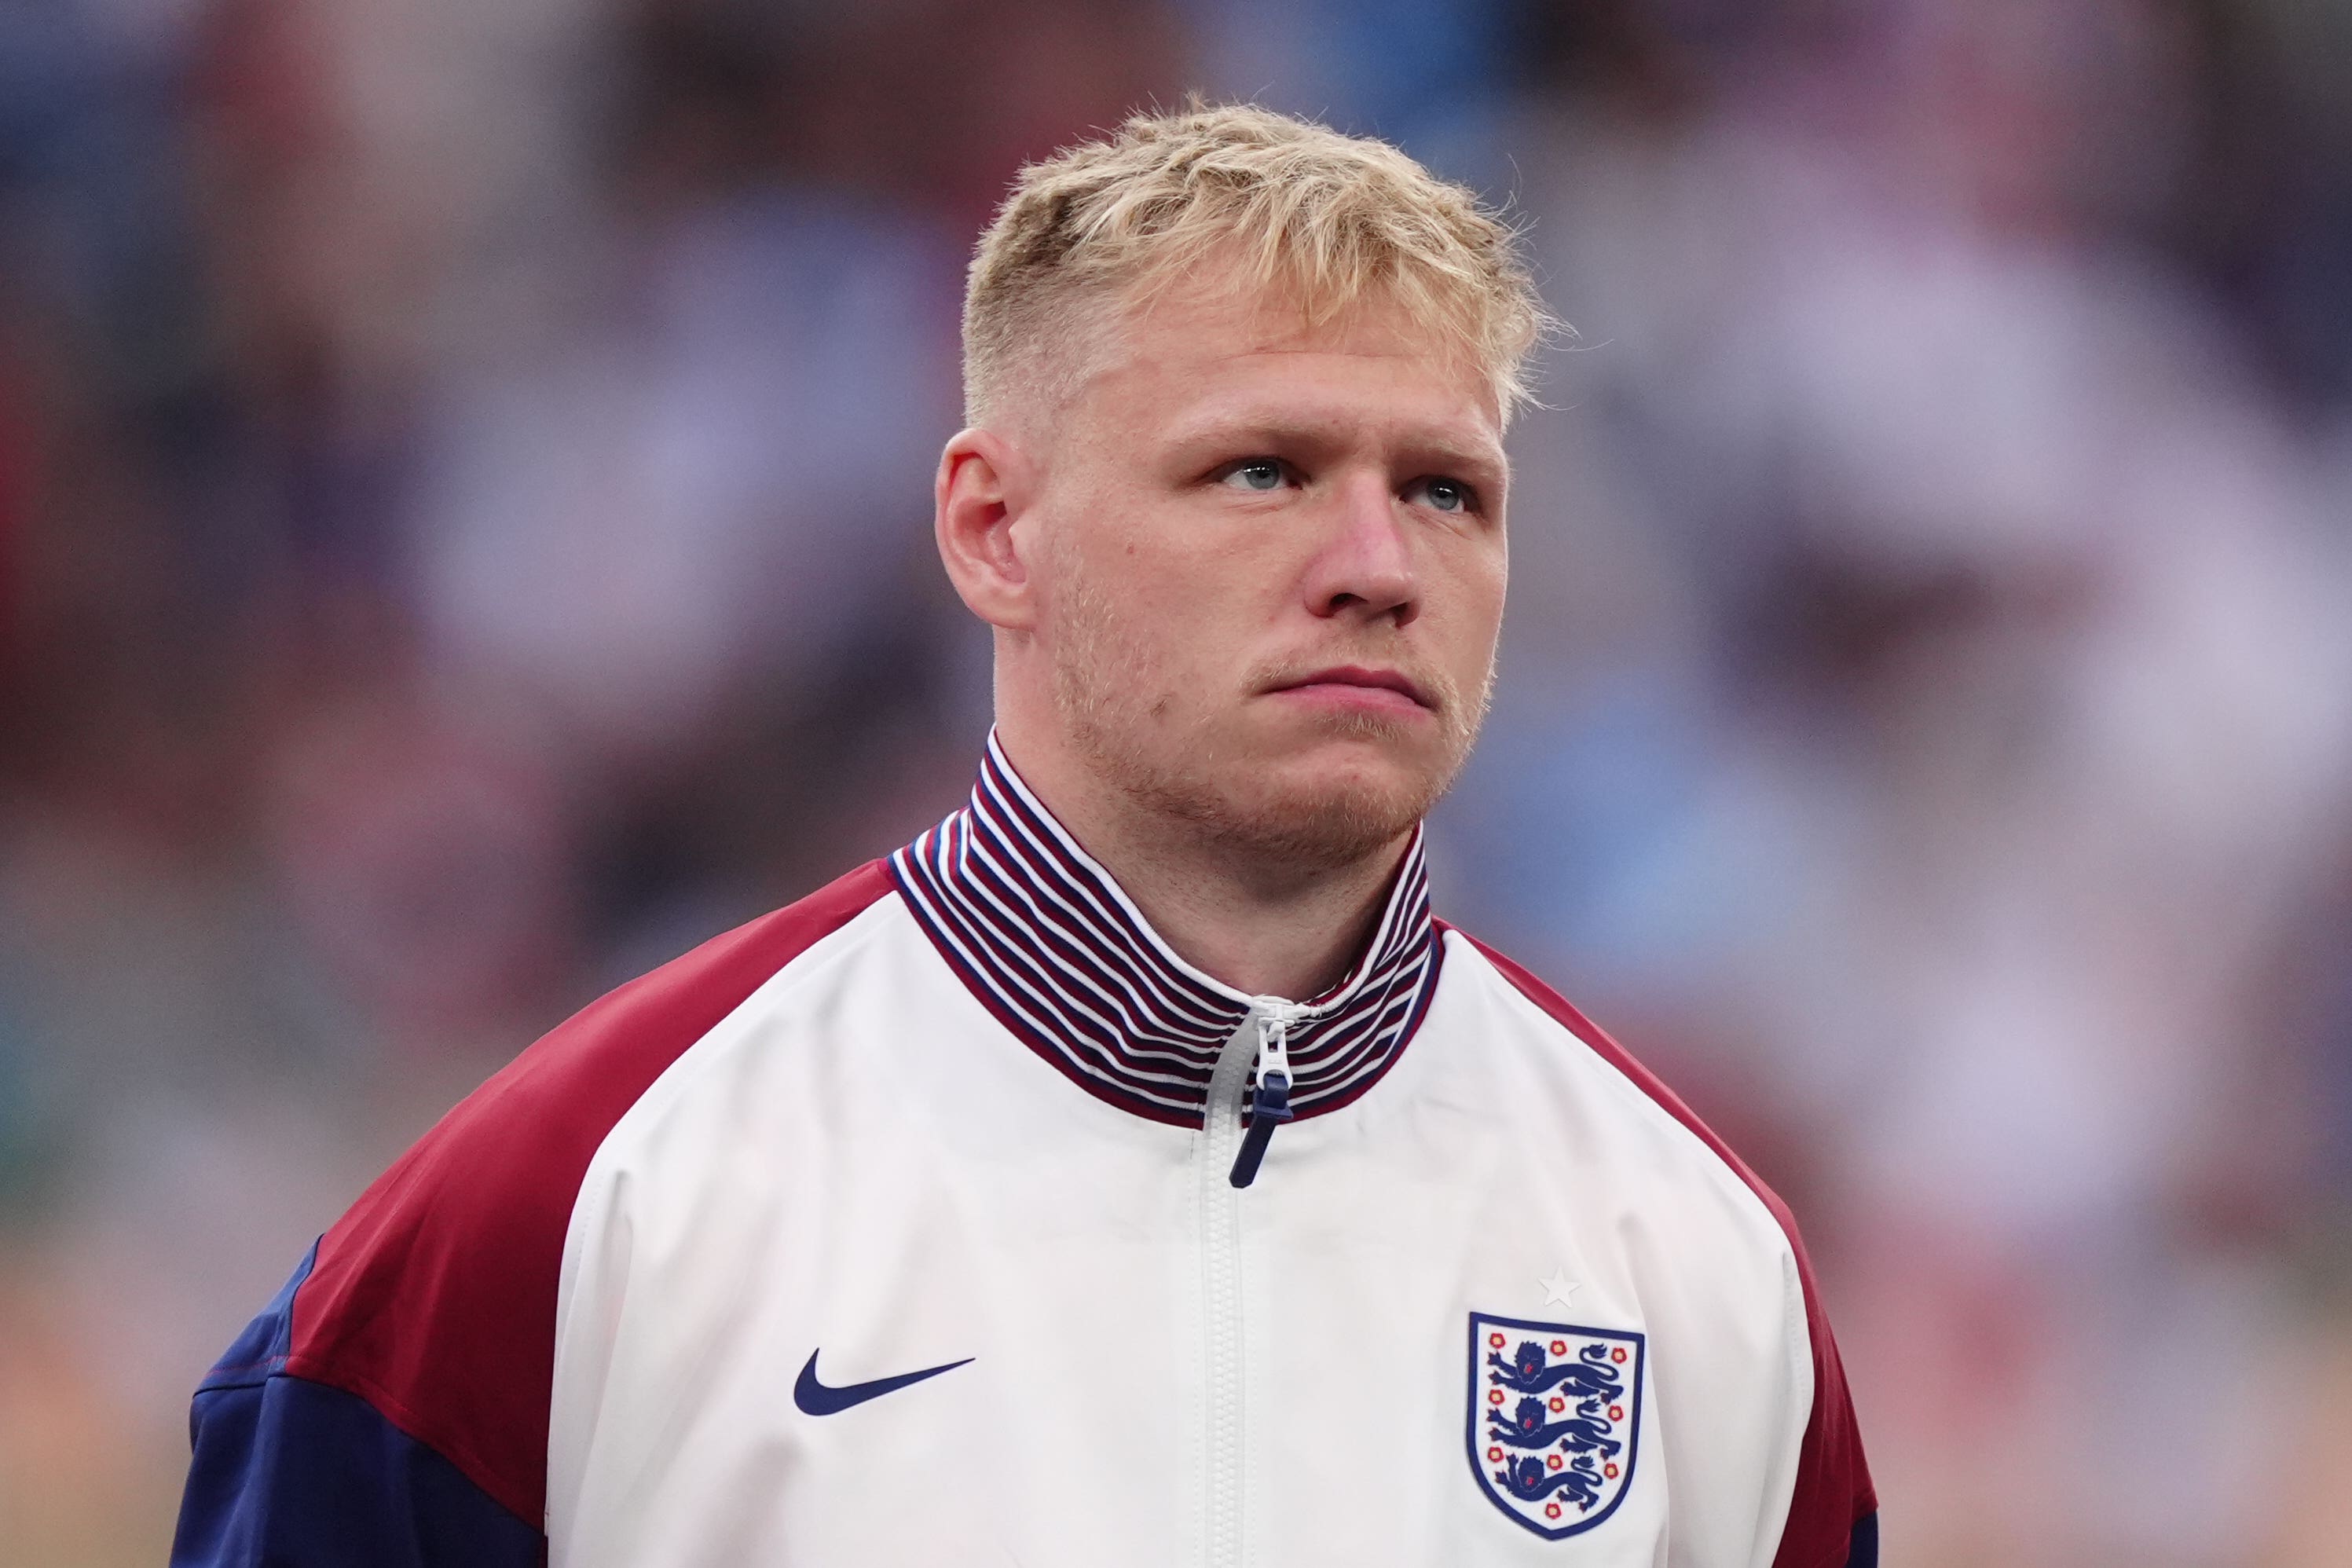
1128,1171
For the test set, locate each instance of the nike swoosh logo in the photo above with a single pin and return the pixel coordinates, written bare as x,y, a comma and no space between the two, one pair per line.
815,1399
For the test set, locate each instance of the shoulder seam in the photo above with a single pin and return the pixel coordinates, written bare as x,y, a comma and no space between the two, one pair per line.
1725,1168
435,1296
827,949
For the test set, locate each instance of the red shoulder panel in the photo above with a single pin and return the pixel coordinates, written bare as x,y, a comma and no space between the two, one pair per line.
1834,1489
434,1298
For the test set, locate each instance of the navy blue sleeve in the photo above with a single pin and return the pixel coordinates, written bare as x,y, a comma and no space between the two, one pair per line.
288,1472
1863,1551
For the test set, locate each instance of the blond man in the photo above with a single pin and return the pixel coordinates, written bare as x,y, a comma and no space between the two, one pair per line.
1130,1170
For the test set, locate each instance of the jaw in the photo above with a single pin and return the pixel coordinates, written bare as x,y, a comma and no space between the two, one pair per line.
1357,762
1288,802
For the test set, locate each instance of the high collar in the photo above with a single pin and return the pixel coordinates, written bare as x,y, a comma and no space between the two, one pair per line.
1044,937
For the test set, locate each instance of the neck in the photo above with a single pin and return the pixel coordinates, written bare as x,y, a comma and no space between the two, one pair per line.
1292,931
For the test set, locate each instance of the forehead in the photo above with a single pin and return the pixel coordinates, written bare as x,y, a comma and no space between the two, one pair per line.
1212,351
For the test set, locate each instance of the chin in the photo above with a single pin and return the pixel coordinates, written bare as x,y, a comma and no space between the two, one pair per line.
1326,805
1326,822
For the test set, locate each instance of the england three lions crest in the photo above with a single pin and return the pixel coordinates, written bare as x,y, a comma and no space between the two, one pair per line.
1555,1416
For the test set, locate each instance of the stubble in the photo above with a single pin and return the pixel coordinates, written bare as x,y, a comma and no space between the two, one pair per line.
1122,719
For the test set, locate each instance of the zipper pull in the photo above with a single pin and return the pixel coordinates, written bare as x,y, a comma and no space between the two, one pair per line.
1270,1103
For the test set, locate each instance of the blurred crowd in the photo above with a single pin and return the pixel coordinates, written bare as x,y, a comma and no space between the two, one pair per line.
463,539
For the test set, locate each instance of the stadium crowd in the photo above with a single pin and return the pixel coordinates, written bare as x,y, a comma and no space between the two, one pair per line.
463,539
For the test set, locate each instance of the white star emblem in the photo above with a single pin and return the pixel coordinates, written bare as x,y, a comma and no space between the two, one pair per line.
1558,1289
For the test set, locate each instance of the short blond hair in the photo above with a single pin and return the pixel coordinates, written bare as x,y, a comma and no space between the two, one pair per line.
1329,217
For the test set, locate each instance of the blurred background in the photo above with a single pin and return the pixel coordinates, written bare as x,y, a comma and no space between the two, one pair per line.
463,539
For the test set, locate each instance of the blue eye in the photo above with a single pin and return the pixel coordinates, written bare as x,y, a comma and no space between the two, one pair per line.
1259,474
1446,495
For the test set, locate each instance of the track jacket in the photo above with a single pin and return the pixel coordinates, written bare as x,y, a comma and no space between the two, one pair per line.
949,1218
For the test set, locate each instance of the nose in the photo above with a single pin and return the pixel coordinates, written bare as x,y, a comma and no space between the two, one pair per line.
1364,569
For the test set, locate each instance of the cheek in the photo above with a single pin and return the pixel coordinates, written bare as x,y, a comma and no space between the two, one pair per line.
1474,611
1493,584
1195,599
1146,620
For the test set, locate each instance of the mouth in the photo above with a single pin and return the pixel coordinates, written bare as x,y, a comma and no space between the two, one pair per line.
1358,685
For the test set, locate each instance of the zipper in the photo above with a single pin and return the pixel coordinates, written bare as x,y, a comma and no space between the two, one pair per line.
1229,1161
1270,1102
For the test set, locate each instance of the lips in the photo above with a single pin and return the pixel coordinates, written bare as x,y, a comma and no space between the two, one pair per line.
1358,675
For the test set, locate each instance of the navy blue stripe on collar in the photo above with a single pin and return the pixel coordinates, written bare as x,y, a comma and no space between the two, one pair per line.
1044,937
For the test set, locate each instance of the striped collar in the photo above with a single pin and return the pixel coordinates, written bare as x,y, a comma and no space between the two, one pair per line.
1046,938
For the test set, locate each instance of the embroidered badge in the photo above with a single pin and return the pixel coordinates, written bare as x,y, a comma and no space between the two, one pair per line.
1555,1414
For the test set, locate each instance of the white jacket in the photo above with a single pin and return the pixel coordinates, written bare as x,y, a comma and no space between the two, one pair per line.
890,1230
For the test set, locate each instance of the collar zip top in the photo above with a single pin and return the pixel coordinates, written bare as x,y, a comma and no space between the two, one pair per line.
1044,937
1269,1104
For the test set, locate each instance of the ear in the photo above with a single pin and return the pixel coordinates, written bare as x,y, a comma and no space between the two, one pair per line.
984,485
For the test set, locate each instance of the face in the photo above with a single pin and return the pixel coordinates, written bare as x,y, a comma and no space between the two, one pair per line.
1264,573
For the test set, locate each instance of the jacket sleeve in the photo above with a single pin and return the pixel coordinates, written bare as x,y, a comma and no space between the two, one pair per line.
391,1405
291,1472
1833,1512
